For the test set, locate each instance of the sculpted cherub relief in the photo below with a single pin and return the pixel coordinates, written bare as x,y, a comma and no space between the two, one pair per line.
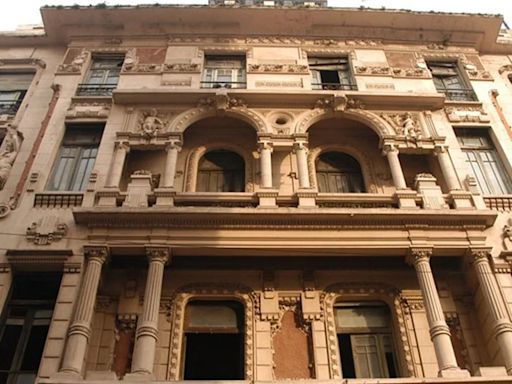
150,124
11,147
404,125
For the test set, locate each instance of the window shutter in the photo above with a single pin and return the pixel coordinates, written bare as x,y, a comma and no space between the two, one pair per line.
366,356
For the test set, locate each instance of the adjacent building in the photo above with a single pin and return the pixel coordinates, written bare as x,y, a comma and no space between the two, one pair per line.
258,193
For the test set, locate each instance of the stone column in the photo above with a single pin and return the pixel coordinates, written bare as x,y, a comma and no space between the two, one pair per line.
265,150
496,307
447,168
116,169
173,147
301,153
439,330
80,330
397,174
146,335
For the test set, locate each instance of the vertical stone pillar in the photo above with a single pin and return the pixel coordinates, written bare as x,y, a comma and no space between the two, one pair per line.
146,335
173,147
447,168
116,169
397,174
265,150
496,307
80,329
301,153
439,331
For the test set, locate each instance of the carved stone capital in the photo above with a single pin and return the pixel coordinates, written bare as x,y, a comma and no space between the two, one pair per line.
158,254
479,255
122,145
97,253
265,145
418,255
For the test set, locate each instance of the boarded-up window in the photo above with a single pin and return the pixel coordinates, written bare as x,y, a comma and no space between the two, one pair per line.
221,171
364,338
338,173
213,342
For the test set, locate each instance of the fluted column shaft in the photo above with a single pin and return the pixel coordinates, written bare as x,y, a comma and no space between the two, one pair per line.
301,152
80,329
395,167
170,164
439,330
116,169
496,307
447,168
265,149
146,335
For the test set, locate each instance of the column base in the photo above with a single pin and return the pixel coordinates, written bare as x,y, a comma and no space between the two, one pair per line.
306,198
406,198
453,373
139,376
461,199
267,198
66,375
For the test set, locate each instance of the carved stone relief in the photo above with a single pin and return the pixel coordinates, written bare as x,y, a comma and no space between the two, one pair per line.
151,123
75,67
9,150
467,114
277,68
46,230
88,110
406,125
372,71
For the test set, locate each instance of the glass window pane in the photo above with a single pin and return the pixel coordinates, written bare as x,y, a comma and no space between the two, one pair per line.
366,356
362,317
212,315
34,348
10,338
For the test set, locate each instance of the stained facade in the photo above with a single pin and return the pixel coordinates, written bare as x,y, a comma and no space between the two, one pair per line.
255,193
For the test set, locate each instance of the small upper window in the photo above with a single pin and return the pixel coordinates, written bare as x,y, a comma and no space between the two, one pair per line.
338,173
13,87
224,72
76,158
102,77
213,341
365,340
484,162
221,171
448,80
331,73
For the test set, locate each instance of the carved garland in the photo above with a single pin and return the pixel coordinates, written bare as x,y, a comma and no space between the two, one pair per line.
196,154
366,291
210,291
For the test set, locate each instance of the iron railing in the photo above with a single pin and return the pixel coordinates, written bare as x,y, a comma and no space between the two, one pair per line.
95,89
459,94
224,84
334,86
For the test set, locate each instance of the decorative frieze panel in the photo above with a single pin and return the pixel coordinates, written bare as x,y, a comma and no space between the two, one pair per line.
279,84
76,65
46,230
414,73
272,40
278,68
467,114
372,70
88,110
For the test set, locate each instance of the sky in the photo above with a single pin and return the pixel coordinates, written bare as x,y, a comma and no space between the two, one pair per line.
14,13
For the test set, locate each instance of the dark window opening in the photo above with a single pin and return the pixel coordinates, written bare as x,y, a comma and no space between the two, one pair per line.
331,74
221,171
448,80
339,173
365,341
214,341
13,87
25,325
76,159
102,77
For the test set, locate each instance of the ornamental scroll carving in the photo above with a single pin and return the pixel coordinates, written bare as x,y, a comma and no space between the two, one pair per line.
277,68
88,110
46,230
76,65
219,291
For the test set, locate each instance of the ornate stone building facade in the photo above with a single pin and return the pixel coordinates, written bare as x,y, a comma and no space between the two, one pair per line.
258,194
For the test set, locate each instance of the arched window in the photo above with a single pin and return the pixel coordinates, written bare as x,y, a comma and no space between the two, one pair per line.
221,171
365,339
338,173
213,341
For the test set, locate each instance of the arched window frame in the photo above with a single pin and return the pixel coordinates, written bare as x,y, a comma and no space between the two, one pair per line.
210,292
370,292
197,154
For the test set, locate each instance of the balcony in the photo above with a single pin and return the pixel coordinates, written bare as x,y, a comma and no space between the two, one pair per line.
334,86
459,94
95,89
224,84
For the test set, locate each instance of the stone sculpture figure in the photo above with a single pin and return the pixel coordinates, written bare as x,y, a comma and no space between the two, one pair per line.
151,123
8,155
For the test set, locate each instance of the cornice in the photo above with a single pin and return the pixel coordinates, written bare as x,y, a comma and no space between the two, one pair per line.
280,218
308,99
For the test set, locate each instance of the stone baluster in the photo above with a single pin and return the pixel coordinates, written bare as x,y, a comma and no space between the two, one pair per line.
397,174
301,153
116,169
439,330
265,150
496,306
173,147
146,335
447,168
80,329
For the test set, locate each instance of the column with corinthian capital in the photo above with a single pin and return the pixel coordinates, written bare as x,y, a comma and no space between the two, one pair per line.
146,335
301,153
172,148
439,330
496,306
265,150
80,329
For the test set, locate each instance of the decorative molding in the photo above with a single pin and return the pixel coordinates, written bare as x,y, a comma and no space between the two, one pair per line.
368,291
184,82
466,114
505,68
364,70
211,291
151,69
76,65
88,110
414,73
406,125
18,62
35,259
182,68
279,84
46,230
278,68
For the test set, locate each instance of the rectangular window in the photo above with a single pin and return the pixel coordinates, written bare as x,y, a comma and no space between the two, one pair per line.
224,72
364,339
13,87
331,73
76,158
484,162
448,80
102,77
25,325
